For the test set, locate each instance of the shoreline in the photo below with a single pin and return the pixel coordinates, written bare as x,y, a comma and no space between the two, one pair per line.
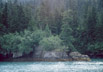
47,60
39,60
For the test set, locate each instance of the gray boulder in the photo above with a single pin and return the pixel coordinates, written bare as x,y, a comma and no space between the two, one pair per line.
17,55
52,55
76,56
55,55
40,54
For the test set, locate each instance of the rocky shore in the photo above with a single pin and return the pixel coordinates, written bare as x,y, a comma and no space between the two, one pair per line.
41,55
53,56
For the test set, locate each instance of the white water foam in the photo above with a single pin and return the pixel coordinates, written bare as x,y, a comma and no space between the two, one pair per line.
53,67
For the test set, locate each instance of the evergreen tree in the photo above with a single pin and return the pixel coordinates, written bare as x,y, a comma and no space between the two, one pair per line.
32,24
16,18
48,31
91,23
5,16
66,34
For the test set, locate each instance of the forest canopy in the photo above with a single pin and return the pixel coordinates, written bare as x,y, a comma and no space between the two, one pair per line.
70,25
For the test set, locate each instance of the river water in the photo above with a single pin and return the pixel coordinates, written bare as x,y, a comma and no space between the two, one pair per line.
93,66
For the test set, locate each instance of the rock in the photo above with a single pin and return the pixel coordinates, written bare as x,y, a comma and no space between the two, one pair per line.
38,52
76,56
42,55
53,55
17,54
50,55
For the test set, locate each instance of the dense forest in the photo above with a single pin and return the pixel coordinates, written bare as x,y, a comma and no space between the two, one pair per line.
68,25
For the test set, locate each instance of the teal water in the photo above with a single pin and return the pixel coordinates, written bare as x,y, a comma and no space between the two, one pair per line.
93,66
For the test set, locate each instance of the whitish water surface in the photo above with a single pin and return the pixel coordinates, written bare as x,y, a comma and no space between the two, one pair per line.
93,66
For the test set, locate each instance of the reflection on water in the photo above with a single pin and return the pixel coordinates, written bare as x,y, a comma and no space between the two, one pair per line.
93,66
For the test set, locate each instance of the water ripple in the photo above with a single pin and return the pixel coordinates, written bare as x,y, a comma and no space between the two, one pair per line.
51,67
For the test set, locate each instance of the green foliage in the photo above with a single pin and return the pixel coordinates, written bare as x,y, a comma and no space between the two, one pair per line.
67,17
21,42
13,17
32,24
37,36
52,43
96,48
66,34
48,31
79,24
18,20
15,43
9,42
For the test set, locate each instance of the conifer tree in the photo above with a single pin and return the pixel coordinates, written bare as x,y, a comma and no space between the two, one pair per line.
48,31
66,34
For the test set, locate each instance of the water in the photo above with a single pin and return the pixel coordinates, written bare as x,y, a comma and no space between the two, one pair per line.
93,66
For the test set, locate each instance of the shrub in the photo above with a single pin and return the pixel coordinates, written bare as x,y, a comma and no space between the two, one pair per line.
9,42
96,48
52,43
23,42
37,36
